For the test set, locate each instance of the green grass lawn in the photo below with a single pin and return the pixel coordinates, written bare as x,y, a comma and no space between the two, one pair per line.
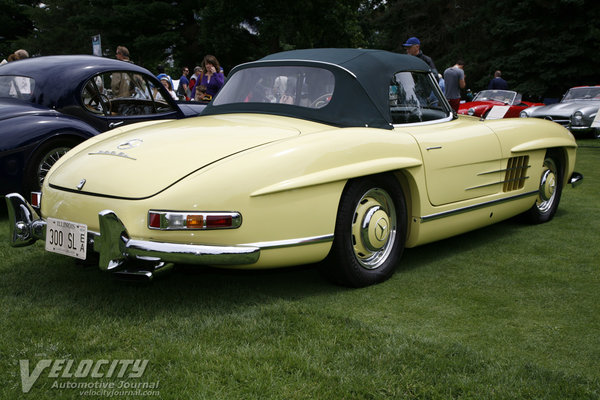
511,311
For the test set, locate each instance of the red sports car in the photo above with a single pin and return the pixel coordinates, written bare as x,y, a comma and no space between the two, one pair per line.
507,103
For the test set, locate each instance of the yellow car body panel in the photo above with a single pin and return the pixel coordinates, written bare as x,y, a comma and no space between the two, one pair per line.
431,222
288,187
255,182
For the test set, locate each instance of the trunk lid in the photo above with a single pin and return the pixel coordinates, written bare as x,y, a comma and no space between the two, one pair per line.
141,162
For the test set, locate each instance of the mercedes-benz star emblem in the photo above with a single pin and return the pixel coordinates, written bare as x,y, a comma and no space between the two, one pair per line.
381,229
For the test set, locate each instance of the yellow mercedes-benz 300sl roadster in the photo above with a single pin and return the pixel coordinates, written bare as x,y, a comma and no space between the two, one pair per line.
342,155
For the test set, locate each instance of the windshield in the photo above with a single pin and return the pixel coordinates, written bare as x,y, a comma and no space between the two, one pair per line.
16,87
583,93
302,86
503,96
123,93
414,98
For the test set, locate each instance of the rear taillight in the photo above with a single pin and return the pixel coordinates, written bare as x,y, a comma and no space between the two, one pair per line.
219,221
153,220
36,199
181,220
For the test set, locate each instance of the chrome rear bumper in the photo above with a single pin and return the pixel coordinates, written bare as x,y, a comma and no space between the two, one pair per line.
115,246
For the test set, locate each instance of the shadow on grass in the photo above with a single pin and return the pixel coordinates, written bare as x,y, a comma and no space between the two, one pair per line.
417,257
44,278
38,277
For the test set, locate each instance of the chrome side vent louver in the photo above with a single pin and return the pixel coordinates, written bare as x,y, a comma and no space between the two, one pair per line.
516,173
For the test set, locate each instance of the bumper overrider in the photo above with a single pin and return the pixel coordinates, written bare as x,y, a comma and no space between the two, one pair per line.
115,247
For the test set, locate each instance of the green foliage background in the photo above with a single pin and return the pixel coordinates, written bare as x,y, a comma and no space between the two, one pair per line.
543,48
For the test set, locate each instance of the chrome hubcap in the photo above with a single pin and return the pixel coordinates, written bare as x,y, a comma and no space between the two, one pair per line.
547,191
373,228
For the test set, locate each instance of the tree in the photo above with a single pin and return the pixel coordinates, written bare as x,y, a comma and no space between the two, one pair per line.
67,26
14,25
239,31
545,52
542,48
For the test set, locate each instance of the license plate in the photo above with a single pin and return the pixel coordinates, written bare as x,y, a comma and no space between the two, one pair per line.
65,237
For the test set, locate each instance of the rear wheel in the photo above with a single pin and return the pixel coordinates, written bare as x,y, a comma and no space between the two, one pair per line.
370,232
550,190
43,159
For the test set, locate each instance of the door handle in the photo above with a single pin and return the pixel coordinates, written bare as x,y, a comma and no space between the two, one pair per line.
115,124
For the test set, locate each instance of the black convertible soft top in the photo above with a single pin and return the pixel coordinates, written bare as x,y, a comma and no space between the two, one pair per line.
361,95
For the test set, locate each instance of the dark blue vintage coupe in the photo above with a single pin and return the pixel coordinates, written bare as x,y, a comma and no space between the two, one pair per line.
48,105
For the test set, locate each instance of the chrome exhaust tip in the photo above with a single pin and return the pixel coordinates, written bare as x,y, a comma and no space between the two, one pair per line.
146,274
575,179
133,276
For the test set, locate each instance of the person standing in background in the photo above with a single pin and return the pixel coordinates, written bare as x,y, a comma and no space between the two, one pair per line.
413,47
120,83
454,78
194,79
21,54
183,90
497,82
212,79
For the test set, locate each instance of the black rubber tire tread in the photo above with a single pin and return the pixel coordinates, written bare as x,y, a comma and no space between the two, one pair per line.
341,265
534,215
30,179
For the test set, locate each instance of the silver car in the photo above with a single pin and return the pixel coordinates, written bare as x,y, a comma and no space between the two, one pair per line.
576,111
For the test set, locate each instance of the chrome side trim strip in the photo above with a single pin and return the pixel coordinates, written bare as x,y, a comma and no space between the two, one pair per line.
503,170
498,183
433,121
461,210
276,244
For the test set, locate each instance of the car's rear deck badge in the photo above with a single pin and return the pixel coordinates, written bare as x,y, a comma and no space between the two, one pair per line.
111,153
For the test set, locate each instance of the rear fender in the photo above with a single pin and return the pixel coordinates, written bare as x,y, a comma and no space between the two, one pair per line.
346,172
28,130
352,153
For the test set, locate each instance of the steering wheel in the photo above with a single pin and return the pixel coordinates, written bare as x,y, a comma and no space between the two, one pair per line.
321,101
100,102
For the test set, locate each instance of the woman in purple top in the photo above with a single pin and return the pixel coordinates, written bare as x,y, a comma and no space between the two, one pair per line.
212,78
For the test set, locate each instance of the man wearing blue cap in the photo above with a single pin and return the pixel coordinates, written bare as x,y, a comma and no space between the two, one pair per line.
413,47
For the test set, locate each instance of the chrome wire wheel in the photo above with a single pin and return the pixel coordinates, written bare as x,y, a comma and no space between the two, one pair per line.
548,186
48,160
374,227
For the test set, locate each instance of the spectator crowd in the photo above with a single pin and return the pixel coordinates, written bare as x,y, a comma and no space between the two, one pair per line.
208,77
453,79
206,81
